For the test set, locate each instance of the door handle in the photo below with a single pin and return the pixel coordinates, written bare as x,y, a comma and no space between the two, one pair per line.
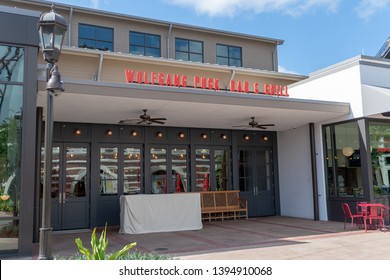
62,197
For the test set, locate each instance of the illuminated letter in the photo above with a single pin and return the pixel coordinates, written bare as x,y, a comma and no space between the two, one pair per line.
129,75
196,81
256,88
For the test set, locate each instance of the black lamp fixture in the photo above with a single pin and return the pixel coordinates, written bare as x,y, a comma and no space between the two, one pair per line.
181,135
134,133
52,28
224,136
203,136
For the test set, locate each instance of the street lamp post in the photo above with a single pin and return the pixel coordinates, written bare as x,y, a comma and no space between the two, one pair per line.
52,28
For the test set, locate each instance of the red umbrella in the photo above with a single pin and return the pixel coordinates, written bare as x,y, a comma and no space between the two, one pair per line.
206,183
178,182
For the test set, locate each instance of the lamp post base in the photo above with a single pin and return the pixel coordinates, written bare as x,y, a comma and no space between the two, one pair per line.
45,252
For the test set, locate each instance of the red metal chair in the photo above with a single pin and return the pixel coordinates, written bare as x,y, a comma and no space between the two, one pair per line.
374,213
348,215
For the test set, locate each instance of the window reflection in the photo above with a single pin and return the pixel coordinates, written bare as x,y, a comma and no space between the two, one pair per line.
202,169
221,160
108,171
158,165
132,170
343,159
380,157
179,170
11,64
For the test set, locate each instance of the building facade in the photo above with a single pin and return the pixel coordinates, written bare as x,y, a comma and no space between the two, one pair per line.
156,107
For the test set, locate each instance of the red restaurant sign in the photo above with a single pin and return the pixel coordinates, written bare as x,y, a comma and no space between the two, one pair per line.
177,80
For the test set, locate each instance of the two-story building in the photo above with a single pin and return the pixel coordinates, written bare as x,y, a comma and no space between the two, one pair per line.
155,107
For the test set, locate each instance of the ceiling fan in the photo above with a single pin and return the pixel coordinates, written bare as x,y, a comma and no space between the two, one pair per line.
255,124
144,119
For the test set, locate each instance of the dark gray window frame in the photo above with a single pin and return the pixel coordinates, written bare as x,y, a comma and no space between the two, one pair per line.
189,52
94,38
145,45
229,57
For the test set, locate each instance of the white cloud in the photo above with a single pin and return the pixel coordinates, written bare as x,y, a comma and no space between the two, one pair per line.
367,8
95,3
233,7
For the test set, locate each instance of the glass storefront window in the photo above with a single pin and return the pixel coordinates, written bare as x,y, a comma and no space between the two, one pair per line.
132,170
343,160
11,64
202,167
380,157
108,170
179,170
158,165
222,174
11,102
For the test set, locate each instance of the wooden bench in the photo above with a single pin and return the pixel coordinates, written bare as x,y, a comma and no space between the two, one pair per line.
220,205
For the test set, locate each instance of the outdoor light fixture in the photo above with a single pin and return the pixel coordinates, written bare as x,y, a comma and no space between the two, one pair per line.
77,131
159,134
109,132
52,28
246,137
134,133
181,135
265,138
203,135
224,136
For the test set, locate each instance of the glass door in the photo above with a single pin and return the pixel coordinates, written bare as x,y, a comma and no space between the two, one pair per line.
256,180
70,186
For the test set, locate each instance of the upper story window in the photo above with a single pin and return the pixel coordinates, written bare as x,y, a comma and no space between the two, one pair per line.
229,55
189,50
145,44
96,37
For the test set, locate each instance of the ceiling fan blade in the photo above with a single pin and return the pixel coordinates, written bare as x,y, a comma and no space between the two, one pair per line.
264,126
156,121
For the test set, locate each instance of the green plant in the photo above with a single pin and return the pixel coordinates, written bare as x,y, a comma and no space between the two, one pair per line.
99,247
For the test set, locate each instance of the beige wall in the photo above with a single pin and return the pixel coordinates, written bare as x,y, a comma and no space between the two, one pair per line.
257,53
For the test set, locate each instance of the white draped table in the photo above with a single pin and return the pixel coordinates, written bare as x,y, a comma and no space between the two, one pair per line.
160,213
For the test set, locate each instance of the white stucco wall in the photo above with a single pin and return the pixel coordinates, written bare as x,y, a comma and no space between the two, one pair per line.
295,179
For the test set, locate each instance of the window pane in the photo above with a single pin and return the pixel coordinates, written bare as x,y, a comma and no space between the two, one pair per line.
132,170
76,171
104,46
152,41
380,157
138,50
222,176
11,64
196,47
202,169
182,56
235,52
196,57
235,62
179,170
108,171
245,169
11,98
345,153
153,52
158,165
222,51
104,34
137,38
89,44
181,45
222,61
86,31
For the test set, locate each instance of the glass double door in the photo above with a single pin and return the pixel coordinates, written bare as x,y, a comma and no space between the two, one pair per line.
256,180
70,186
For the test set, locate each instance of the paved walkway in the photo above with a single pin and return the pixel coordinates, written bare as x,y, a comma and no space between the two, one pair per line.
268,238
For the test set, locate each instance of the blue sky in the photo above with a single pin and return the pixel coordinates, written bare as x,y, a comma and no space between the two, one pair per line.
317,33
